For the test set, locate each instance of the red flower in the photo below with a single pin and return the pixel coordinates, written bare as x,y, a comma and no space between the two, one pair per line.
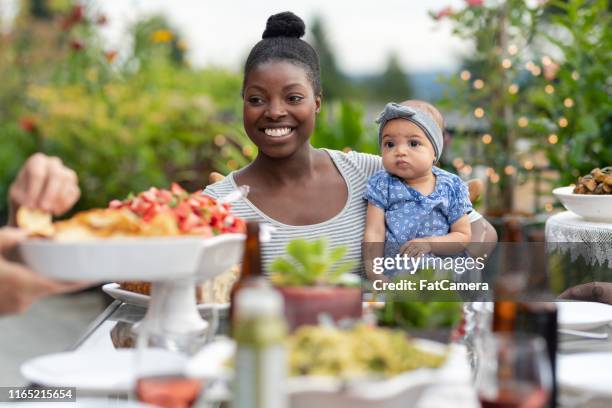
77,45
28,124
474,3
445,12
75,17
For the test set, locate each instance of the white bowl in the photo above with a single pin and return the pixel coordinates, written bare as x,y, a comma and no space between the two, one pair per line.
592,207
120,259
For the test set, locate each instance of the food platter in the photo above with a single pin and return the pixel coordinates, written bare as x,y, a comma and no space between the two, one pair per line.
591,207
120,259
308,391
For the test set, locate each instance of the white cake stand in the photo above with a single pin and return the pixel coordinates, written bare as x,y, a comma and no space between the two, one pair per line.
173,264
173,305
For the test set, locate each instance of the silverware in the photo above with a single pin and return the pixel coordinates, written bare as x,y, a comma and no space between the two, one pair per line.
584,334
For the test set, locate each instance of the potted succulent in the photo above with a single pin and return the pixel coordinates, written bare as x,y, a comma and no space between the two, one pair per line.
314,281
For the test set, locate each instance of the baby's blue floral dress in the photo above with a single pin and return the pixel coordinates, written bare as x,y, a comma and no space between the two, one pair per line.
410,214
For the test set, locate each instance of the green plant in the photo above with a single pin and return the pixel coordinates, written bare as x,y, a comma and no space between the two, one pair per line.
310,263
123,124
489,87
340,126
415,314
576,108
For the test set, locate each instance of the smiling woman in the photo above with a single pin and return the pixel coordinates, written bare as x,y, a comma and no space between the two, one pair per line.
302,191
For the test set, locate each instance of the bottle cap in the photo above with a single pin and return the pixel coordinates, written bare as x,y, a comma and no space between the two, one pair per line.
258,301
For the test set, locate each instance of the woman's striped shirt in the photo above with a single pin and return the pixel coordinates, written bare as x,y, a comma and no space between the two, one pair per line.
345,228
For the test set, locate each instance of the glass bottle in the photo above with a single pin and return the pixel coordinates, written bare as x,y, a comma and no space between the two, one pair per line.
260,330
251,273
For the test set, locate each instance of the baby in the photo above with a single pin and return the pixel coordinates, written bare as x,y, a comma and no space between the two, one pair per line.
413,206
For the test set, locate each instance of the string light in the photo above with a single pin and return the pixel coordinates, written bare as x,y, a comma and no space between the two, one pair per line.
528,165
568,102
506,63
536,71
523,121
458,163
487,138
553,139
575,75
465,75
232,164
548,207
247,151
220,140
512,49
563,122
509,170
513,89
530,65
490,171
495,178
546,60
478,84
479,112
549,89
467,170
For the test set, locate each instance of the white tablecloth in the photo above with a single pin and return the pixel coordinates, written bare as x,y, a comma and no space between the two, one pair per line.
567,227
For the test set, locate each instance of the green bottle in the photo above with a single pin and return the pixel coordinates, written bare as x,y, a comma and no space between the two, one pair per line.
260,331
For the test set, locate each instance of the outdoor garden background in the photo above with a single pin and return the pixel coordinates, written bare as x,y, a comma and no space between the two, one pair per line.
528,109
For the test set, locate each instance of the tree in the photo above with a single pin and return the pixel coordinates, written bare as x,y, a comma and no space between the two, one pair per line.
334,82
572,103
502,34
393,84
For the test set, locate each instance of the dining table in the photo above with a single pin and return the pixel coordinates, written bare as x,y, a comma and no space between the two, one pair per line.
112,330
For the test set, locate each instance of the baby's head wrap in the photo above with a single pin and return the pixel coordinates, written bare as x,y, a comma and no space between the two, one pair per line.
418,117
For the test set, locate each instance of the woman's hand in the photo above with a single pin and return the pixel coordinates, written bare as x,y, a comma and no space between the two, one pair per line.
19,286
45,183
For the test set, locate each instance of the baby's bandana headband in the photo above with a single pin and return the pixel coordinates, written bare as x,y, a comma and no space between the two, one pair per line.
421,119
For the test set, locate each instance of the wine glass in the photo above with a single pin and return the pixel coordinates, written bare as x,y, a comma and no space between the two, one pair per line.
513,371
163,351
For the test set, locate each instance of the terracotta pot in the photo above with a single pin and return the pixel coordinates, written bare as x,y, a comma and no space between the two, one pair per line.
303,304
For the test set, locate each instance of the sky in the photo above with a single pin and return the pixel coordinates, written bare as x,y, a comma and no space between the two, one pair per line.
362,32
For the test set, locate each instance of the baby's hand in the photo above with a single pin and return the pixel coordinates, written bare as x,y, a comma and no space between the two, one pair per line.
416,247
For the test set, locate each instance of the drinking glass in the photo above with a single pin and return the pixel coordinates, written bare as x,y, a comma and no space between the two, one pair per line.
163,349
513,371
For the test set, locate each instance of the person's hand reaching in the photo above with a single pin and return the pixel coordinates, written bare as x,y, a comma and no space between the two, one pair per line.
44,183
19,286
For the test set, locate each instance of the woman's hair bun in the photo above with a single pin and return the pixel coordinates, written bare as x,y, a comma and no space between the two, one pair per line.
284,24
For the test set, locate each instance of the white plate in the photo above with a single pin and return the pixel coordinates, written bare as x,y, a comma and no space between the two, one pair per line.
593,207
583,315
138,299
152,259
586,372
98,370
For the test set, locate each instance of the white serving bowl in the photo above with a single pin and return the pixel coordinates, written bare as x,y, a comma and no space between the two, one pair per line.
120,259
399,391
592,207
